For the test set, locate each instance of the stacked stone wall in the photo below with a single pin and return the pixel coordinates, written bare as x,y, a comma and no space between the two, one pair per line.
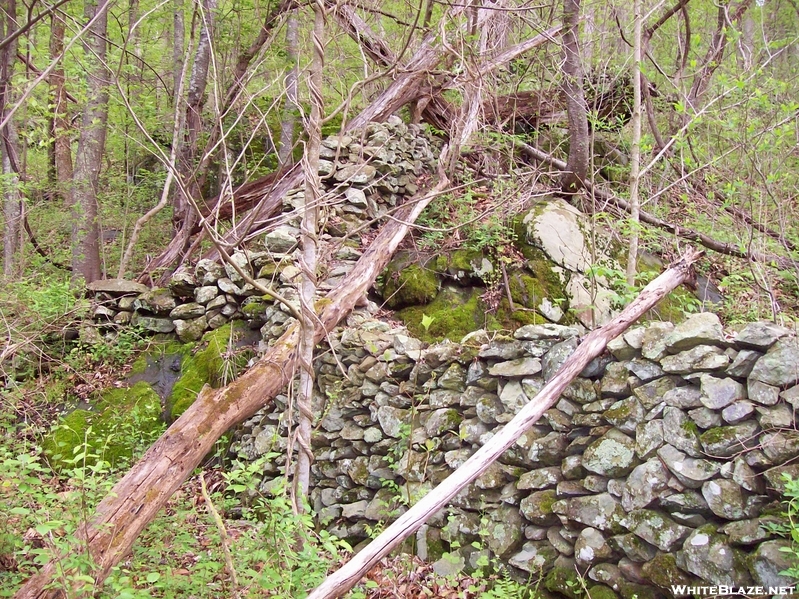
662,464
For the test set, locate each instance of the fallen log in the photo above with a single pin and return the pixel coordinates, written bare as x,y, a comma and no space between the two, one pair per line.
592,346
142,492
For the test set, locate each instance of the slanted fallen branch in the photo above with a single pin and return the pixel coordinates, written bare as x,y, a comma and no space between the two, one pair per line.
136,499
593,345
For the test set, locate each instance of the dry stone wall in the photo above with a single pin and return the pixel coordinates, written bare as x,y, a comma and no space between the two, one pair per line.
363,177
661,465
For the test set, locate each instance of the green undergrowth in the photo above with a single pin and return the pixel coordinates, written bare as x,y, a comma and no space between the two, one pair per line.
110,429
275,553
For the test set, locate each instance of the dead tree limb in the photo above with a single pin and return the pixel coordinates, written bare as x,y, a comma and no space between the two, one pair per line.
593,345
413,83
142,492
729,249
38,248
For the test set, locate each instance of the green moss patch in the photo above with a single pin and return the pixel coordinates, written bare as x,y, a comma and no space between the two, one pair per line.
452,314
408,284
120,422
564,581
599,591
508,319
216,363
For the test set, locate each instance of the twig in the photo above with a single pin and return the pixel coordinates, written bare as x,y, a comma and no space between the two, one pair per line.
507,285
220,525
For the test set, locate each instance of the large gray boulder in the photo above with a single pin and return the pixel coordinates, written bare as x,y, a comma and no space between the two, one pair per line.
657,529
760,335
702,328
691,472
780,365
601,511
644,485
709,556
768,562
612,455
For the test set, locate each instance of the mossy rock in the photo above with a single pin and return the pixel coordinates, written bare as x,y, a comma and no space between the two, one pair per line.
214,364
466,266
631,590
254,308
120,422
513,319
664,572
564,581
451,315
600,591
408,284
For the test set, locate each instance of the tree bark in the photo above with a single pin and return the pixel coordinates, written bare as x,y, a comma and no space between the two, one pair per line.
635,151
142,492
308,241
289,119
573,179
89,155
61,151
184,218
178,51
592,346
12,200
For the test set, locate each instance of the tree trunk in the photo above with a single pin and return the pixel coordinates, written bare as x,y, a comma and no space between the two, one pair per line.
142,492
60,148
635,152
178,51
171,169
12,201
89,155
289,119
715,53
577,164
308,240
184,217
593,345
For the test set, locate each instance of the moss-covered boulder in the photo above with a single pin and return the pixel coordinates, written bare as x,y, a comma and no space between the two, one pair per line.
407,283
119,422
216,362
452,314
465,266
564,581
